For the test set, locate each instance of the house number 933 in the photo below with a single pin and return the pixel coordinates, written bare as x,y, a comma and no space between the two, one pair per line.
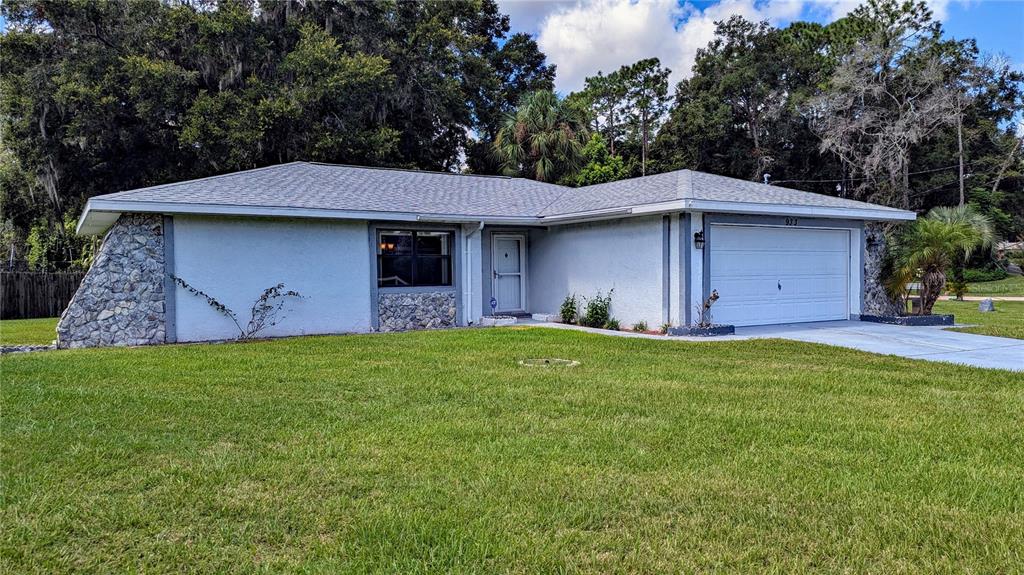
792,221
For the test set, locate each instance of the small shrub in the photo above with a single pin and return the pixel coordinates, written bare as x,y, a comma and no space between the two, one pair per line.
598,310
640,326
570,310
980,275
664,328
612,324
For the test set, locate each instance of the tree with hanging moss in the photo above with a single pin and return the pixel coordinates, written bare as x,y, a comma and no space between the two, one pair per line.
101,96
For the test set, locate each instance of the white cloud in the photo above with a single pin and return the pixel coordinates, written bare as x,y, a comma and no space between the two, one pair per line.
585,36
940,8
605,34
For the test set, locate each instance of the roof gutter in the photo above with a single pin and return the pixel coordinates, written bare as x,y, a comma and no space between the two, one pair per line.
481,220
100,214
586,216
799,210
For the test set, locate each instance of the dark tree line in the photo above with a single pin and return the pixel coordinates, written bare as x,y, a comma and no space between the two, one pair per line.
97,97
105,96
876,106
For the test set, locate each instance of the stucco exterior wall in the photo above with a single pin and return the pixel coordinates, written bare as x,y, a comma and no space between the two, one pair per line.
234,260
625,255
473,283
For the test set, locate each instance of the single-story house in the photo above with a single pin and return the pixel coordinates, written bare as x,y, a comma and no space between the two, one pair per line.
388,249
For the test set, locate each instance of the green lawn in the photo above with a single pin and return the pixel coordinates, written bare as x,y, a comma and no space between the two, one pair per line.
28,331
1006,321
434,451
1013,285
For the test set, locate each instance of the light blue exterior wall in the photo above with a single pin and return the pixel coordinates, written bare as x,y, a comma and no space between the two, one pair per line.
235,259
627,255
649,262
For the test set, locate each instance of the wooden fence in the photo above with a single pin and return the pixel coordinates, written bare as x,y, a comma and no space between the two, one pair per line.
26,295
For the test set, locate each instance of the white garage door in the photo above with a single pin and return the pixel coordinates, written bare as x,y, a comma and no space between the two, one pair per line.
779,275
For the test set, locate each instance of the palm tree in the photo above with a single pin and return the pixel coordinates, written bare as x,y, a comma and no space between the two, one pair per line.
543,139
932,245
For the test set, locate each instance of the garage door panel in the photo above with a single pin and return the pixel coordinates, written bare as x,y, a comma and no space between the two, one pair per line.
738,313
736,264
746,288
749,264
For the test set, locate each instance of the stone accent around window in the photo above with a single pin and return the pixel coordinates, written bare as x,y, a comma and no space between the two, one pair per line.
121,299
416,310
876,300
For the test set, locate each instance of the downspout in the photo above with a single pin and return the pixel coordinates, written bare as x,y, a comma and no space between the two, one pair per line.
467,256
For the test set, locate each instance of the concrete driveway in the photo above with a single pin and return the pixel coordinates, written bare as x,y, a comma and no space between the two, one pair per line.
929,343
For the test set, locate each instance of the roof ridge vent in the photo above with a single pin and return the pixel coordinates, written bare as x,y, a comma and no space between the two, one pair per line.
412,170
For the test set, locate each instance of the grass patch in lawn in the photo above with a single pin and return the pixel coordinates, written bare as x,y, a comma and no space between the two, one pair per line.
436,451
1013,285
1006,321
28,331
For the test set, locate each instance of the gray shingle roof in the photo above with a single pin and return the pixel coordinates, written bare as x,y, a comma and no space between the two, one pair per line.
333,187
722,189
690,185
632,192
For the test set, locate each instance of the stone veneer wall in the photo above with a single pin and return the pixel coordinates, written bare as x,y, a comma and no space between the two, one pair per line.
876,300
417,310
121,299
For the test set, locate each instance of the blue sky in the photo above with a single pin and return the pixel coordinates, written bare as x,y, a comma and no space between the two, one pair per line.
584,36
998,25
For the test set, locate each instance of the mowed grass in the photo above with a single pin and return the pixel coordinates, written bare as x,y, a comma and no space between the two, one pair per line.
436,452
1012,285
1006,321
28,331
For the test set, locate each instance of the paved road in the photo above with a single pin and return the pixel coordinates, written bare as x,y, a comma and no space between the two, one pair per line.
991,297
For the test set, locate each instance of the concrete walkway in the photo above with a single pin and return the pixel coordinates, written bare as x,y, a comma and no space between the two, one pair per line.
927,343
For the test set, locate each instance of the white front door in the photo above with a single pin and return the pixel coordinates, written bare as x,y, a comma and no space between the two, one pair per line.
768,275
508,263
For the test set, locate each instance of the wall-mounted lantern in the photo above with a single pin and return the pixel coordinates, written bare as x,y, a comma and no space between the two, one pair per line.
698,240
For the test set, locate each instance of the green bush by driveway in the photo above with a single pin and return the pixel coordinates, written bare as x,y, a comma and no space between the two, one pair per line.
435,451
